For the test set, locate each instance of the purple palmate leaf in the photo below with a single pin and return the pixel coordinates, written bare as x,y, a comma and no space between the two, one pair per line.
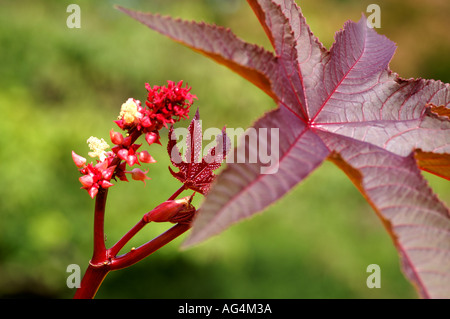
414,217
241,190
344,105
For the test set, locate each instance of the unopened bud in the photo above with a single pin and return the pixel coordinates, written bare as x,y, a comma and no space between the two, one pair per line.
167,211
127,141
145,157
79,161
86,180
93,191
116,137
105,184
108,173
151,138
138,175
123,154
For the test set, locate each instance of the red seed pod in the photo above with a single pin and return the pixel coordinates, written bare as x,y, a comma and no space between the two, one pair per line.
146,122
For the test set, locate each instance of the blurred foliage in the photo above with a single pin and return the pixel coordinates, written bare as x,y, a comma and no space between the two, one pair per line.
59,86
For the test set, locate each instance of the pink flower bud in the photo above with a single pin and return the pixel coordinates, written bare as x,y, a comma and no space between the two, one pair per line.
101,166
127,141
120,124
146,122
116,137
79,161
93,191
105,184
129,155
86,181
108,173
123,154
145,157
138,175
132,159
151,138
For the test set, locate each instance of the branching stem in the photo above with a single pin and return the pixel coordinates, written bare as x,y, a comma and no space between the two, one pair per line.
105,260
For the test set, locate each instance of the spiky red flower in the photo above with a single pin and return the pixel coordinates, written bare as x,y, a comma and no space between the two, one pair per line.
128,154
167,105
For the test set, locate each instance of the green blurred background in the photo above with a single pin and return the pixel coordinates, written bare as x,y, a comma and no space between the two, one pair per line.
59,86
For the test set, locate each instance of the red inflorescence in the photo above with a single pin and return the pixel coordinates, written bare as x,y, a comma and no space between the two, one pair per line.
165,105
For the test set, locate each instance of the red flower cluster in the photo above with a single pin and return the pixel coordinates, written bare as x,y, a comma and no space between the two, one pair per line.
168,105
164,105
96,176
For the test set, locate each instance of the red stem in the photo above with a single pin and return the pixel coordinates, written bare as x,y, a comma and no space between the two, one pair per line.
95,274
91,281
104,260
97,269
178,192
148,248
114,250
99,254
